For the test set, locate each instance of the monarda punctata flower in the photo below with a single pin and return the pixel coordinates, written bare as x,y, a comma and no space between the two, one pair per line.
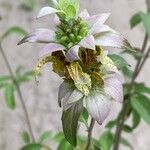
76,49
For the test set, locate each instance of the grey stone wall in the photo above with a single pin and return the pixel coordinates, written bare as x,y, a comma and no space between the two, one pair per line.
41,100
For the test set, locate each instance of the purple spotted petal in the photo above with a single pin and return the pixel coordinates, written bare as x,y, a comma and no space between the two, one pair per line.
64,88
47,11
84,14
101,18
88,42
49,48
72,54
56,21
111,39
98,105
40,36
98,28
75,96
113,87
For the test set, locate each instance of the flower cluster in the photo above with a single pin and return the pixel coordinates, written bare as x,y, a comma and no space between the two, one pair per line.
76,50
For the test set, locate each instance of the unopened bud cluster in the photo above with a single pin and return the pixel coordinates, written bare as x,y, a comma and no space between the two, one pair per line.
70,33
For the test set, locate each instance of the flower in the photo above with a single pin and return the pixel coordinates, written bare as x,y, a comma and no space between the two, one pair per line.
75,50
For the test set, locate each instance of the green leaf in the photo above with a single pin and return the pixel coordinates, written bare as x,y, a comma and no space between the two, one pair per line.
97,148
119,61
5,78
135,119
146,22
35,147
127,128
135,20
28,5
84,116
64,145
24,77
106,140
58,137
137,54
26,137
111,124
32,147
46,135
141,104
4,81
126,143
63,5
70,119
141,88
9,96
17,30
127,72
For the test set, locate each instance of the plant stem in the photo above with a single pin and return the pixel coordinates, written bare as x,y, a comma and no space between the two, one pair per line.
19,93
124,110
90,134
139,61
143,62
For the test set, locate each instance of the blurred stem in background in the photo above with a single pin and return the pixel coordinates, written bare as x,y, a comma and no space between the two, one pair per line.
19,93
90,134
139,65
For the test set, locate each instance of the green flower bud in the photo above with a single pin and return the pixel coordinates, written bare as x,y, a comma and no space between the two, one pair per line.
83,32
72,37
64,39
70,45
79,38
75,31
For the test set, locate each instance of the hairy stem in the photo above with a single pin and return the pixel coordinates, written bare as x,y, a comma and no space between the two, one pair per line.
19,93
90,134
123,113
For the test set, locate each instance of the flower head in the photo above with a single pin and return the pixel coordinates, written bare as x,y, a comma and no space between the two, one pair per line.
75,49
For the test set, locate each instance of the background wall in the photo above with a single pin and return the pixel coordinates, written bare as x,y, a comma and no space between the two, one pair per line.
41,100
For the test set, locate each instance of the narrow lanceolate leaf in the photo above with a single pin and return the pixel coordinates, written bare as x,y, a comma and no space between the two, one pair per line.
127,128
135,20
106,140
111,124
119,61
32,147
146,22
126,143
26,137
135,119
4,81
9,96
141,104
141,88
5,78
70,119
14,30
35,147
